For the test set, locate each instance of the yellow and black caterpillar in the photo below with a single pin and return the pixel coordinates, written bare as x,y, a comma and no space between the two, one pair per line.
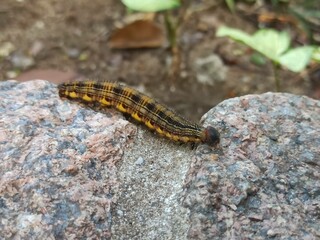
142,108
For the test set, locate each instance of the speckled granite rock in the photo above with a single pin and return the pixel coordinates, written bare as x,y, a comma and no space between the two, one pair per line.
264,181
68,172
57,168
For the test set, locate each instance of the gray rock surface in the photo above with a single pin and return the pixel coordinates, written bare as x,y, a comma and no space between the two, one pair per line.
264,181
68,171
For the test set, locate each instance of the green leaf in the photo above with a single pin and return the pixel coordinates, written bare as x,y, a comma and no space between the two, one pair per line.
297,59
151,5
258,59
274,45
316,55
266,41
231,5
271,43
235,34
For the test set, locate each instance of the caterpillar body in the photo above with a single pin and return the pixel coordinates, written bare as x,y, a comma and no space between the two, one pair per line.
142,108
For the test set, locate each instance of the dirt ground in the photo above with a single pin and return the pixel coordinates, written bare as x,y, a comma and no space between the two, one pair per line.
73,36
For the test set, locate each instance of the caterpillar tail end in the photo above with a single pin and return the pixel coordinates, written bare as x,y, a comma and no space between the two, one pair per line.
210,136
62,90
65,91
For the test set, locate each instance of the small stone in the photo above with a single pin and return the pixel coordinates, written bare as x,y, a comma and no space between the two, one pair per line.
73,52
120,213
20,60
271,233
71,169
139,161
12,74
210,69
40,24
36,48
6,49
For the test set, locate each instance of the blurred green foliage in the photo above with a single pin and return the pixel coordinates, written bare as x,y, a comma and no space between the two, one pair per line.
151,5
275,46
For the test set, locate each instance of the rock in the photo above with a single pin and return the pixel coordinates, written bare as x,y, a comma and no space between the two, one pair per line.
210,69
6,48
36,47
68,171
42,139
73,52
264,181
22,61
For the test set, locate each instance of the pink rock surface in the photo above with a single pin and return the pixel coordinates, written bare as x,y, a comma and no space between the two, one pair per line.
69,172
57,164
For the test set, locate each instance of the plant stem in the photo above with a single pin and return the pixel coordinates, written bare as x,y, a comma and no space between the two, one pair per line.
276,76
172,37
171,30
174,28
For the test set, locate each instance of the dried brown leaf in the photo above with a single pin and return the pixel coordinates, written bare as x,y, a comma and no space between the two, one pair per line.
138,34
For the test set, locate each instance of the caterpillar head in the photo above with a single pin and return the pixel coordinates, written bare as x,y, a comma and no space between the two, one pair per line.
210,136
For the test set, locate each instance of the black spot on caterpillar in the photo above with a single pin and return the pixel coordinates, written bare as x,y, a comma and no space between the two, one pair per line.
142,108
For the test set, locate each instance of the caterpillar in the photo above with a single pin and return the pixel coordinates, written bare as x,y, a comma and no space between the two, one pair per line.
142,108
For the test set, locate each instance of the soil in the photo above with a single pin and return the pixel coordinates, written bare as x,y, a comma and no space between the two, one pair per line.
73,36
